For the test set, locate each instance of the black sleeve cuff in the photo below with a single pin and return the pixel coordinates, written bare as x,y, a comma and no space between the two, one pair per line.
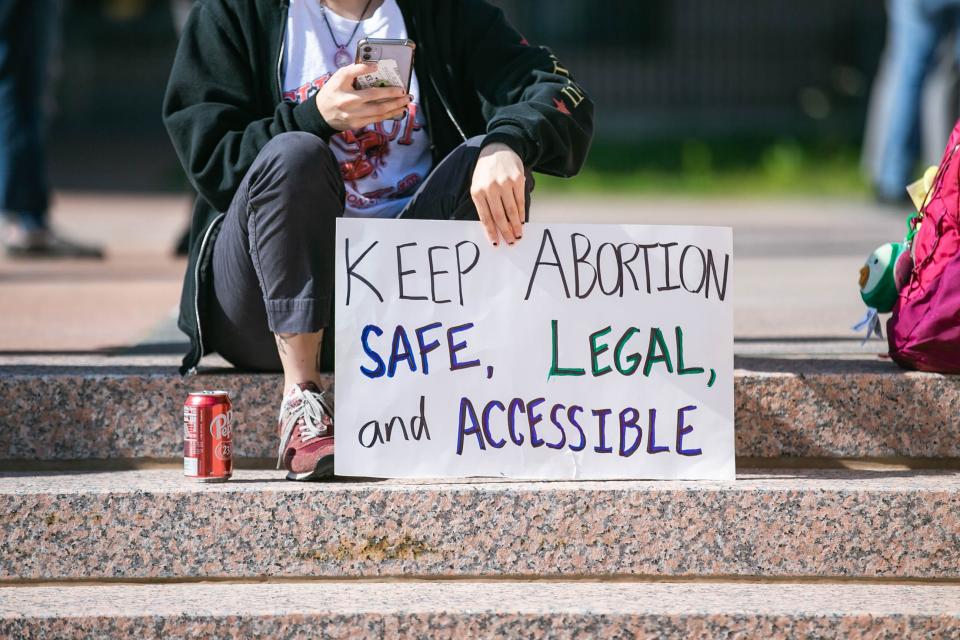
308,119
512,136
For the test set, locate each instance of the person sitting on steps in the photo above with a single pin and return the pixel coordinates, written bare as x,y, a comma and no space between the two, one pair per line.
262,111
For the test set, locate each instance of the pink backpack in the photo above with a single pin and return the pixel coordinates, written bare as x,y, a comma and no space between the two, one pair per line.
924,330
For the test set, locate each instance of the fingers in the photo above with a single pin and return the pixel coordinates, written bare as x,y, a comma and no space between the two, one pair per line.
513,197
375,94
504,212
381,109
498,192
495,205
398,114
483,212
376,113
344,107
351,72
520,193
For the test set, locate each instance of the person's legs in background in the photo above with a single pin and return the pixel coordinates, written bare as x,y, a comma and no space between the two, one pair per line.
954,24
938,104
27,33
878,114
914,32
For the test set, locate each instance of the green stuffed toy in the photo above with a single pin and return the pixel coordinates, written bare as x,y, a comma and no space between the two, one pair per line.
878,287
888,270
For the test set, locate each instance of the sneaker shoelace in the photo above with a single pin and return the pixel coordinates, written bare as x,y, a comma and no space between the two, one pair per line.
311,410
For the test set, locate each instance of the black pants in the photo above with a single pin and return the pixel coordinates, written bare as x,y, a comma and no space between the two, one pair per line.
273,262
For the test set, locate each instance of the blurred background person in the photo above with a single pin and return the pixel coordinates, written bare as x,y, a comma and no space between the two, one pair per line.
28,31
939,109
920,34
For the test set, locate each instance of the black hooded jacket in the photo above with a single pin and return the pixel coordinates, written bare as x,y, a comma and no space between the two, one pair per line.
477,75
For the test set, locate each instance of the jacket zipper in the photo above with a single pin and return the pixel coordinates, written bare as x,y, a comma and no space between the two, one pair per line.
196,289
446,107
283,43
413,27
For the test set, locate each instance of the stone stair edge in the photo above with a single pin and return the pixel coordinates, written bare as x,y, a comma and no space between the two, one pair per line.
807,408
519,595
155,525
561,609
167,479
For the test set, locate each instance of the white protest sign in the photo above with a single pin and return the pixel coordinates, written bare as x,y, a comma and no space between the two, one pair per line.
583,351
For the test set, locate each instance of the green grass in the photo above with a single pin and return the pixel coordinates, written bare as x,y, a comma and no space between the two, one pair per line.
718,167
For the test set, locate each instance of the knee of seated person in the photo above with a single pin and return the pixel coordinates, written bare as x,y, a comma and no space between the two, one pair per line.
299,155
475,141
468,150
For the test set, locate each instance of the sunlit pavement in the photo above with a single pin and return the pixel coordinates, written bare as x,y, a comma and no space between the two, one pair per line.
71,306
796,264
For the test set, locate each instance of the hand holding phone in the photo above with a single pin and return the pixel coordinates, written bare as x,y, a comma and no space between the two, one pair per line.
345,107
394,58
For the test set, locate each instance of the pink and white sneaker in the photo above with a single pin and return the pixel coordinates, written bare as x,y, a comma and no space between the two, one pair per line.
306,433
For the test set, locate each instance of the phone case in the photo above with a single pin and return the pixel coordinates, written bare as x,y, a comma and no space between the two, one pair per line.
395,59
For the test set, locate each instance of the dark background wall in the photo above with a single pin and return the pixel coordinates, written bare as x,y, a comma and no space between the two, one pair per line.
655,68
663,67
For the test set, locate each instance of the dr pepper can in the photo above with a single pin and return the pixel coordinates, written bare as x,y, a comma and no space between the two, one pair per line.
207,436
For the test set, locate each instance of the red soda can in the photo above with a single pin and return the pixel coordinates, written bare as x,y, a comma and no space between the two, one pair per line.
207,436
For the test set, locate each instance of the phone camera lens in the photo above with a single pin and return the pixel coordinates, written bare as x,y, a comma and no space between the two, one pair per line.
366,56
367,49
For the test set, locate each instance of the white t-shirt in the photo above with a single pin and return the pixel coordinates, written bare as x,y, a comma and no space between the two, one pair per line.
382,164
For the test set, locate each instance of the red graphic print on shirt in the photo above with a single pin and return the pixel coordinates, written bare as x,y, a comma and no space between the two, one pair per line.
365,151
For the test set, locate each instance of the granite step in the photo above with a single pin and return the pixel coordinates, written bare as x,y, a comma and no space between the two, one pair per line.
506,609
105,409
155,524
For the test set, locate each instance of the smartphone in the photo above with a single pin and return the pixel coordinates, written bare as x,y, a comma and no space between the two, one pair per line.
394,58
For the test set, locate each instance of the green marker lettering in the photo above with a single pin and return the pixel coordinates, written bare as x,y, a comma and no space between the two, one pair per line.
657,342
556,369
633,358
682,370
596,350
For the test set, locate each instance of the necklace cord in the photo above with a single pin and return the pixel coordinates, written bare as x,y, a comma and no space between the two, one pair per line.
343,47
